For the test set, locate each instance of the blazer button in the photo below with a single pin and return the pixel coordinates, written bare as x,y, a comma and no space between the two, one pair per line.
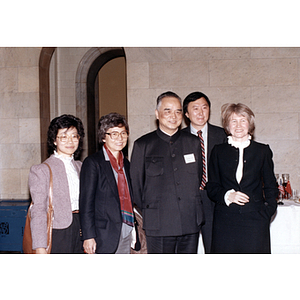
147,206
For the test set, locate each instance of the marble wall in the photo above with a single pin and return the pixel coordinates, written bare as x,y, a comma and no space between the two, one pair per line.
266,79
19,119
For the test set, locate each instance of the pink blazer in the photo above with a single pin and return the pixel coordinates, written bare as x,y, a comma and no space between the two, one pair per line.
39,179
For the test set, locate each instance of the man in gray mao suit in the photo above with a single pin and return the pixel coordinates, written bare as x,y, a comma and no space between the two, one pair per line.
196,108
166,169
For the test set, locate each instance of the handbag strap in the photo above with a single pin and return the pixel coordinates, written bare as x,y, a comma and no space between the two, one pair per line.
50,213
50,186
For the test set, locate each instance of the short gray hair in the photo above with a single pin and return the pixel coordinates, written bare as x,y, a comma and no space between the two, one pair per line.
164,95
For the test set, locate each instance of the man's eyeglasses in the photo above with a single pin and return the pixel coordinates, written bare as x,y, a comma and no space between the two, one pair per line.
64,138
115,135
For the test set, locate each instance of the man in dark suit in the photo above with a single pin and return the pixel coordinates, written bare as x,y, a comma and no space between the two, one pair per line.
196,108
166,169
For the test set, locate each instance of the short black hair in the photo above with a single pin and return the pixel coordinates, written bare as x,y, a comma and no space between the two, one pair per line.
64,121
193,97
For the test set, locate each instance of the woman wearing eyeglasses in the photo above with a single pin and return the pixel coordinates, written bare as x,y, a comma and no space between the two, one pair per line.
105,201
65,138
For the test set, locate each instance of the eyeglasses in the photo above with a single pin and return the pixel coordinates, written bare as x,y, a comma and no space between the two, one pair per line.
64,138
115,135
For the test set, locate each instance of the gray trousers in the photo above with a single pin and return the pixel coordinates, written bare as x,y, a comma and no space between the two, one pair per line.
125,240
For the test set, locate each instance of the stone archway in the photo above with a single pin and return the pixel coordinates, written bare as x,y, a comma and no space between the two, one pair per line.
86,74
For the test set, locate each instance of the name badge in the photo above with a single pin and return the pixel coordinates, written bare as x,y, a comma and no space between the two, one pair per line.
189,158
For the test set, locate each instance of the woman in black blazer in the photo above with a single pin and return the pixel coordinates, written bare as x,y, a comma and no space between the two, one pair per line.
105,201
241,181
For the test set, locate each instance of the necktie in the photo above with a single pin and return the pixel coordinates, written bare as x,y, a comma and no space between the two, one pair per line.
203,181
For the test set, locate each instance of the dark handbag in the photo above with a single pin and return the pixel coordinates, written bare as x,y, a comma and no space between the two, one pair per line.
27,238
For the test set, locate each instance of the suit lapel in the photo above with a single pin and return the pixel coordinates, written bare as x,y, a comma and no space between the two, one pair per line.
210,141
109,174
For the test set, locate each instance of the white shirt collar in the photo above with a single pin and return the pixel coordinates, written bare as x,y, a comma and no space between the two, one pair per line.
240,145
195,131
105,153
62,157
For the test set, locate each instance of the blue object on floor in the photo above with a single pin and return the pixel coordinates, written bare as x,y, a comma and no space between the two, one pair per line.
12,222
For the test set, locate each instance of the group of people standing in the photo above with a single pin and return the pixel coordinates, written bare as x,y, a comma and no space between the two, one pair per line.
203,178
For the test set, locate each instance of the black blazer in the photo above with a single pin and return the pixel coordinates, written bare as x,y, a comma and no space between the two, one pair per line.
165,175
215,135
99,202
258,180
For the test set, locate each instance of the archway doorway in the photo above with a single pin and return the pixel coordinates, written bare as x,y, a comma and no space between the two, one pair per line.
112,87
87,93
106,91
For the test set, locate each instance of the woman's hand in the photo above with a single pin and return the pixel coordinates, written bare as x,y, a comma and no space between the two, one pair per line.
238,198
89,246
40,251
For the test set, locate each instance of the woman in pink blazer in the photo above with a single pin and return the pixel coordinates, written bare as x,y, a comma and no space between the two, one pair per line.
65,135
